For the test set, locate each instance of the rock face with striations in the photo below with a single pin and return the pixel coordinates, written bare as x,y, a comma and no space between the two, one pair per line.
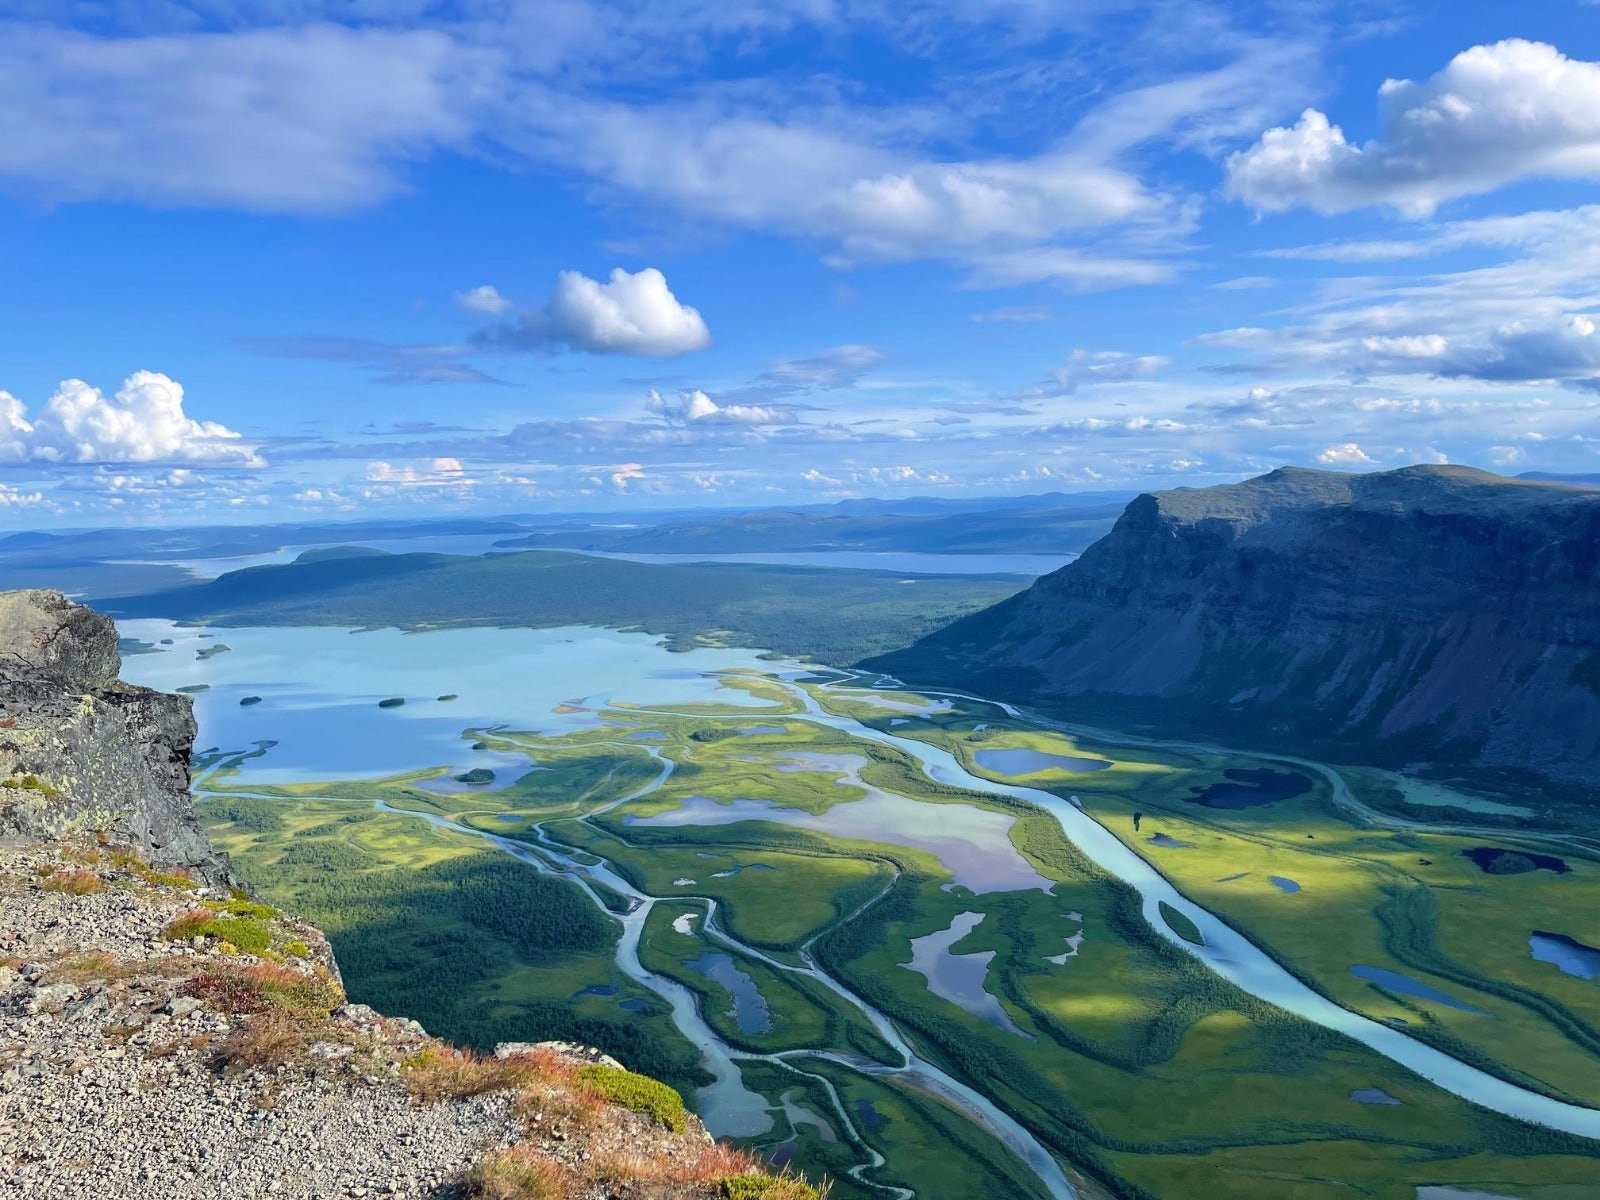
81,751
1429,614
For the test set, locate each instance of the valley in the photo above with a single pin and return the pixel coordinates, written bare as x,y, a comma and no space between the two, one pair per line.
738,862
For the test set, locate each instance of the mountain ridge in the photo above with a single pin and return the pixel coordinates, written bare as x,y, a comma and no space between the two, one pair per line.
1427,614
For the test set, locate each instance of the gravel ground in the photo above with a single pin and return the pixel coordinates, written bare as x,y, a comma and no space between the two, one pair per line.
110,1083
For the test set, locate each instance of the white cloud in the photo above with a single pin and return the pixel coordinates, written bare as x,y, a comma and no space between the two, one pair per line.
1084,368
143,422
283,120
485,299
694,407
12,498
1345,454
1497,113
633,314
435,473
1010,316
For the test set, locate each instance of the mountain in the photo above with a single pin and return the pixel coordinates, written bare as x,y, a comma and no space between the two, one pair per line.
1429,614
1054,524
163,1033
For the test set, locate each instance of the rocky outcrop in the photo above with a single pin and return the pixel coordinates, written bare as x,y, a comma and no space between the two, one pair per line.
1430,614
82,751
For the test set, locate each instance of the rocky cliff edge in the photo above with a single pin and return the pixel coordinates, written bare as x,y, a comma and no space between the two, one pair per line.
163,1033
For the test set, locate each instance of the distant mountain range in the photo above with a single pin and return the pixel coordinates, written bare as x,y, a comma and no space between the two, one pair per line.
1435,615
1050,524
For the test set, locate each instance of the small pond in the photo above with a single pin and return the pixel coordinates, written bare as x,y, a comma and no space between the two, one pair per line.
868,1116
1168,842
1242,788
959,978
1570,955
1498,860
597,989
1284,884
1404,985
1372,1095
749,1011
1016,762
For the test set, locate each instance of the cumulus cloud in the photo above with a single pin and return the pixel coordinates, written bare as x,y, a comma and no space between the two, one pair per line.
435,473
1497,113
1345,454
485,299
283,120
143,422
694,407
634,314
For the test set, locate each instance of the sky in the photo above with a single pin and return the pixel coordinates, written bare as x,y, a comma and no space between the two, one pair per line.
307,259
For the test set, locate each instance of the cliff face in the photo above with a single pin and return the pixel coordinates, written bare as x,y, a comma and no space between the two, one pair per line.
82,751
1427,614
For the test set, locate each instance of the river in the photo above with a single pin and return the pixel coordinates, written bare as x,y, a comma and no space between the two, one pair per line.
324,682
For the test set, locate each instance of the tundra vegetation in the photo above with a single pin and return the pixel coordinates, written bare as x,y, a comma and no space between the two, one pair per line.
1137,1066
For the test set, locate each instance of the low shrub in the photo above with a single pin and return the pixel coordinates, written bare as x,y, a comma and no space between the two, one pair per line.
521,1174
263,987
441,1072
74,883
639,1093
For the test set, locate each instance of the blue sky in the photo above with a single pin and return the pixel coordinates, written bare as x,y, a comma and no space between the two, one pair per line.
294,258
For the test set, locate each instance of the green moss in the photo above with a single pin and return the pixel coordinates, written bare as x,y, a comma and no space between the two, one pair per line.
297,949
639,1093
246,933
30,783
758,1187
249,908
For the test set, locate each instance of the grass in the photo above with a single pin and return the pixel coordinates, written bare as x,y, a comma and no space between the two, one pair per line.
74,883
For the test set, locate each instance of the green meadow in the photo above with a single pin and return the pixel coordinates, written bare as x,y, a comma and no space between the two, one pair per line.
1141,1069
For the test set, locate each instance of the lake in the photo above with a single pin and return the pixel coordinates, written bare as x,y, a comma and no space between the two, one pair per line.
320,687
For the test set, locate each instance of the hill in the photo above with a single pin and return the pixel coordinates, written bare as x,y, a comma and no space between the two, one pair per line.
833,616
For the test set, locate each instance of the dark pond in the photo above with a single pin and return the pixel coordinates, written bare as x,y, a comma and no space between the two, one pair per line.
636,1004
1231,878
1283,884
1497,860
1245,788
1372,1095
749,1010
598,989
1571,956
868,1116
1404,985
